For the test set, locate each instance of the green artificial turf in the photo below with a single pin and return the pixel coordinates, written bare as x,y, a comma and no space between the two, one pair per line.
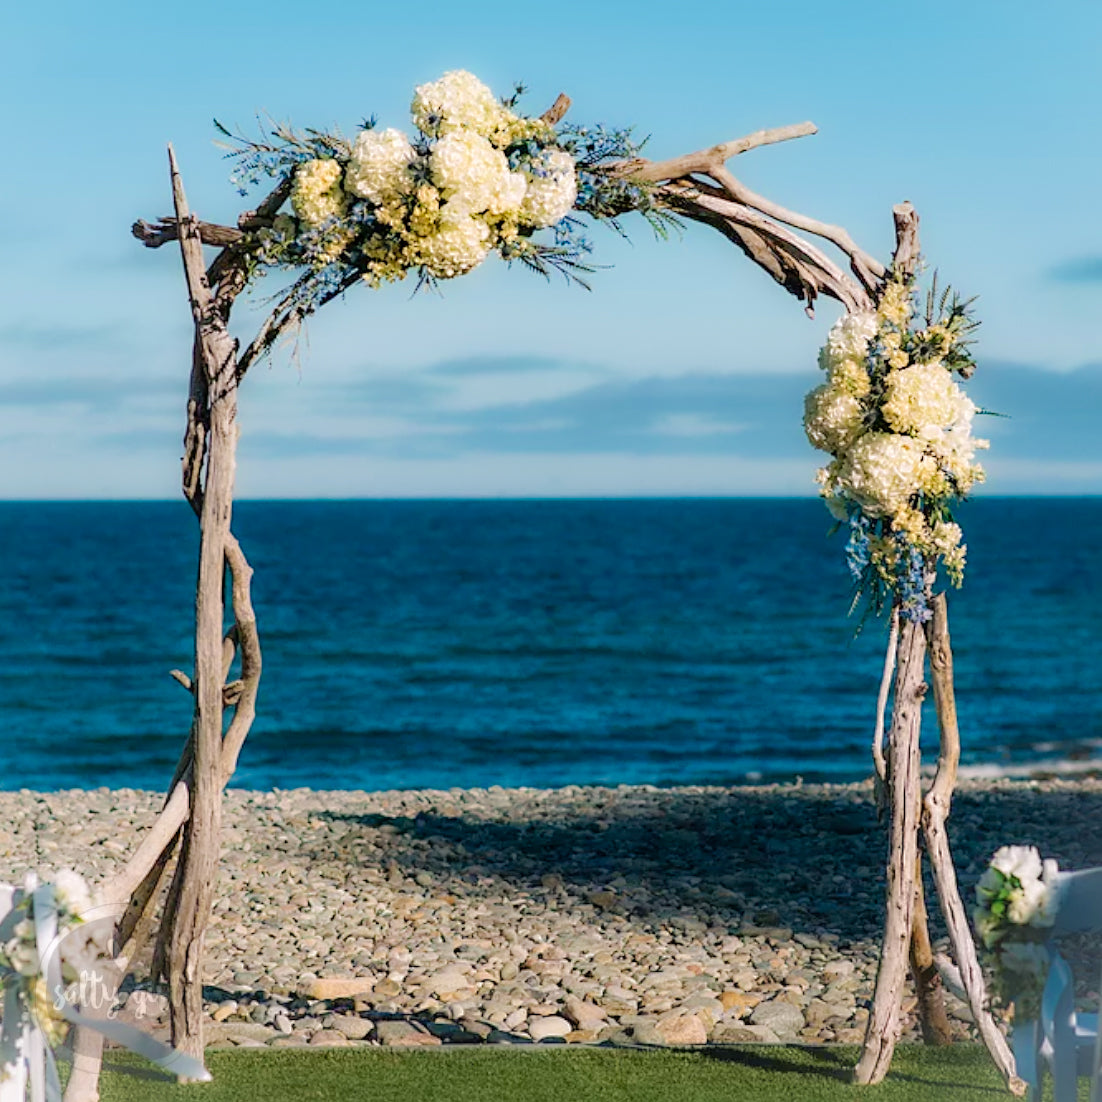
961,1073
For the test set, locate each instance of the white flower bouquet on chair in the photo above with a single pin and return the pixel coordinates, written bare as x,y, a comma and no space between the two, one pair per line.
48,951
1017,900
1022,903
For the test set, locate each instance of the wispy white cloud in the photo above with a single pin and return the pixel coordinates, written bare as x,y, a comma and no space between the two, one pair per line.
711,432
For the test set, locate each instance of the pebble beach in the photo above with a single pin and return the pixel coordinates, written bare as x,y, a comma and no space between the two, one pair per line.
579,915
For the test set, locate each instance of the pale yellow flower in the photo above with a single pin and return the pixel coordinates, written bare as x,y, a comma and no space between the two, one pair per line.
316,193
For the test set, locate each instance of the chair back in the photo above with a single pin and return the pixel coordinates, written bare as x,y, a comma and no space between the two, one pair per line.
1080,901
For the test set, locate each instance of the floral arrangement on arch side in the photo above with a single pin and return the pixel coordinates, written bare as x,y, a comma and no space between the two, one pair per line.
21,956
477,177
1017,900
899,430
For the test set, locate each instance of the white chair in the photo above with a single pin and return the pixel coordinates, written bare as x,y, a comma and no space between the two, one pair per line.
1096,1078
1065,1042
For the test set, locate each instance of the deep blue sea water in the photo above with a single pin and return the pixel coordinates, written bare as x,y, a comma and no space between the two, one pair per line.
469,643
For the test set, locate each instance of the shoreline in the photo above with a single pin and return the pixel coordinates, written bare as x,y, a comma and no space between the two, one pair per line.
643,914
1084,763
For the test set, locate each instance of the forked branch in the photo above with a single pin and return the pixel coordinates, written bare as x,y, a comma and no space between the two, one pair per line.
680,179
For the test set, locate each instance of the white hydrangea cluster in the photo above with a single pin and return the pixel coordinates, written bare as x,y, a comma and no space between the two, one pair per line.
479,178
848,339
899,430
378,169
881,472
832,418
456,248
474,176
922,400
457,101
552,189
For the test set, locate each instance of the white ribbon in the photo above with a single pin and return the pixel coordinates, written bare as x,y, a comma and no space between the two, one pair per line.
27,1065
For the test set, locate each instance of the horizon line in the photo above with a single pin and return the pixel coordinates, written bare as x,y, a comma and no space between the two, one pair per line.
642,496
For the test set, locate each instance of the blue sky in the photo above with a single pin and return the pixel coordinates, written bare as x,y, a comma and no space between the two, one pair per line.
681,372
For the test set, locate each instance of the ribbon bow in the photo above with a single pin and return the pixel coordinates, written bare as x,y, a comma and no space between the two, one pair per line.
26,1060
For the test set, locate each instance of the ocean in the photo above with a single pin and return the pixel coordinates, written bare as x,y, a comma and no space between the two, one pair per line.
441,644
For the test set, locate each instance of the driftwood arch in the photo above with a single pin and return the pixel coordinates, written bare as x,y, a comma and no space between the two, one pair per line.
789,247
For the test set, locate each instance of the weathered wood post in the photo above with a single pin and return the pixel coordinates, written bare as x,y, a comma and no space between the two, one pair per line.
192,888
906,934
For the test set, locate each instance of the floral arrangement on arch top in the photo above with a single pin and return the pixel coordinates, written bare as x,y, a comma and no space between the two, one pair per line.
478,177
898,427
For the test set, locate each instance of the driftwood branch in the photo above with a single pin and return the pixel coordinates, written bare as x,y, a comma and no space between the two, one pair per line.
154,235
933,1018
867,268
192,889
714,157
557,110
803,269
690,185
878,761
158,838
906,238
136,886
935,813
287,316
903,780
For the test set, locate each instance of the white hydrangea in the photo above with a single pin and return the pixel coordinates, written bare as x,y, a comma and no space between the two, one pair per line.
552,189
882,471
72,891
379,167
1036,902
460,244
924,401
457,101
474,176
316,194
832,418
509,195
848,338
1022,862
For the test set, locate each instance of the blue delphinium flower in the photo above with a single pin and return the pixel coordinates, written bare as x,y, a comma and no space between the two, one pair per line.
911,576
858,547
